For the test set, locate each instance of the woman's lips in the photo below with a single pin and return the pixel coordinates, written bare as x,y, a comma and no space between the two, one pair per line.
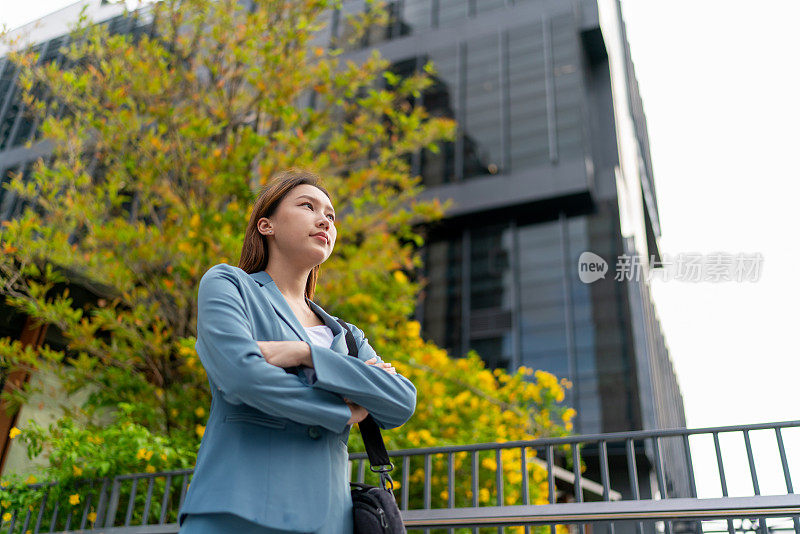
321,238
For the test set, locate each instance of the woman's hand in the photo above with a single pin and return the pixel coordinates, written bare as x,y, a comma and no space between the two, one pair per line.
386,366
357,413
286,353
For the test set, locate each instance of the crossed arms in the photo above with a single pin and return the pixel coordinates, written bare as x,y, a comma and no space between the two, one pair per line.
234,362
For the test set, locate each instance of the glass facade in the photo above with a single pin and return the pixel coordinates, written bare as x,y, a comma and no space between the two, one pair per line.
524,303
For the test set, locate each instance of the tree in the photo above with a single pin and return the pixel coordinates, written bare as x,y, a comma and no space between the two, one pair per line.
164,139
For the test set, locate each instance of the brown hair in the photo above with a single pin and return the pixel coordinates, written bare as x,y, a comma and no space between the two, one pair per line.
254,248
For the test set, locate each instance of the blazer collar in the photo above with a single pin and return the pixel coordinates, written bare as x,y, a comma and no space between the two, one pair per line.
281,306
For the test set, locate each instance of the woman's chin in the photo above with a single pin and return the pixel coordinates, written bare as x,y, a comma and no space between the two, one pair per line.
317,257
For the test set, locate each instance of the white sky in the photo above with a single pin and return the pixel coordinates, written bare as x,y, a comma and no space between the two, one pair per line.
721,92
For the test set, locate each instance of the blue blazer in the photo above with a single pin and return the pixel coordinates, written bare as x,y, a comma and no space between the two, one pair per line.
274,450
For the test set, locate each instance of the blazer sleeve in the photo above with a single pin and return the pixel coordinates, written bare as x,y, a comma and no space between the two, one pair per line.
389,398
231,357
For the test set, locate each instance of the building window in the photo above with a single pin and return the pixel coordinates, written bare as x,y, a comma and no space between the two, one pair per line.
441,100
482,121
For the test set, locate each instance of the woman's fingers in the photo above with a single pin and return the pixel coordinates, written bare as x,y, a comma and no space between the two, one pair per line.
386,366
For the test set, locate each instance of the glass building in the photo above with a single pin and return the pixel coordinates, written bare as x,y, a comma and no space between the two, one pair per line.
551,160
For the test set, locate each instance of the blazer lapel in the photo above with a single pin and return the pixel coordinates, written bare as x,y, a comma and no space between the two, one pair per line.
278,302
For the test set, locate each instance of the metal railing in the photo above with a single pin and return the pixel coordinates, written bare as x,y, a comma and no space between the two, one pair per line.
618,479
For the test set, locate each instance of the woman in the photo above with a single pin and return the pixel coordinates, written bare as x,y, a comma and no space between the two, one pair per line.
285,392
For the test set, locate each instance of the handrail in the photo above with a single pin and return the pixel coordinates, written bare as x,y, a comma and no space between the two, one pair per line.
640,452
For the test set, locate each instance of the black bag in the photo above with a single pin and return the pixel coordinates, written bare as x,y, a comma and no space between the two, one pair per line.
374,508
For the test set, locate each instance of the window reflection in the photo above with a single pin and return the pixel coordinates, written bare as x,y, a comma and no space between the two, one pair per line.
491,292
415,17
439,100
443,295
452,11
482,123
566,82
528,97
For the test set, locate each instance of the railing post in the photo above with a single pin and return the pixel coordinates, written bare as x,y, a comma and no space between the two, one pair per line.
114,502
100,518
41,510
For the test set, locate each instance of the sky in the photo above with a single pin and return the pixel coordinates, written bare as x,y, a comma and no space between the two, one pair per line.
721,93
720,86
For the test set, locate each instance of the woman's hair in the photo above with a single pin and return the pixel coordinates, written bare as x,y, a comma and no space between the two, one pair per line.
254,248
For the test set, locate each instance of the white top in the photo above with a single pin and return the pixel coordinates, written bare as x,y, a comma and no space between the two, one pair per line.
322,335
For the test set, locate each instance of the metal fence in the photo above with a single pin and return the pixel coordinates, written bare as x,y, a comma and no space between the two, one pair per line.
606,482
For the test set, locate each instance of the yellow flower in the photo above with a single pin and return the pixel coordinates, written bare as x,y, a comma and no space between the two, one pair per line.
150,469
413,328
4,483
143,454
568,414
164,456
199,411
186,351
483,496
7,516
14,432
92,516
372,317
74,498
425,434
77,471
200,430
5,504
30,480
489,463
194,222
400,276
443,494
546,379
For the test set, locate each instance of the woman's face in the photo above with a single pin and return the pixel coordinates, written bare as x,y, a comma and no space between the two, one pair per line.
303,212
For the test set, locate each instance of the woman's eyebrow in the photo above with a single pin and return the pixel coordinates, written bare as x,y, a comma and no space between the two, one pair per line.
315,200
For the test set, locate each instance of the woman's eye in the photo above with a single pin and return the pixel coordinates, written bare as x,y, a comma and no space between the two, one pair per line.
331,217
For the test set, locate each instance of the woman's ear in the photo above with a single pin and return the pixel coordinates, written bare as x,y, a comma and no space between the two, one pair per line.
264,226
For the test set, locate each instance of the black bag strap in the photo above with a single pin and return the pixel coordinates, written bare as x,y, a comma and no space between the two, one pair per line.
370,431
